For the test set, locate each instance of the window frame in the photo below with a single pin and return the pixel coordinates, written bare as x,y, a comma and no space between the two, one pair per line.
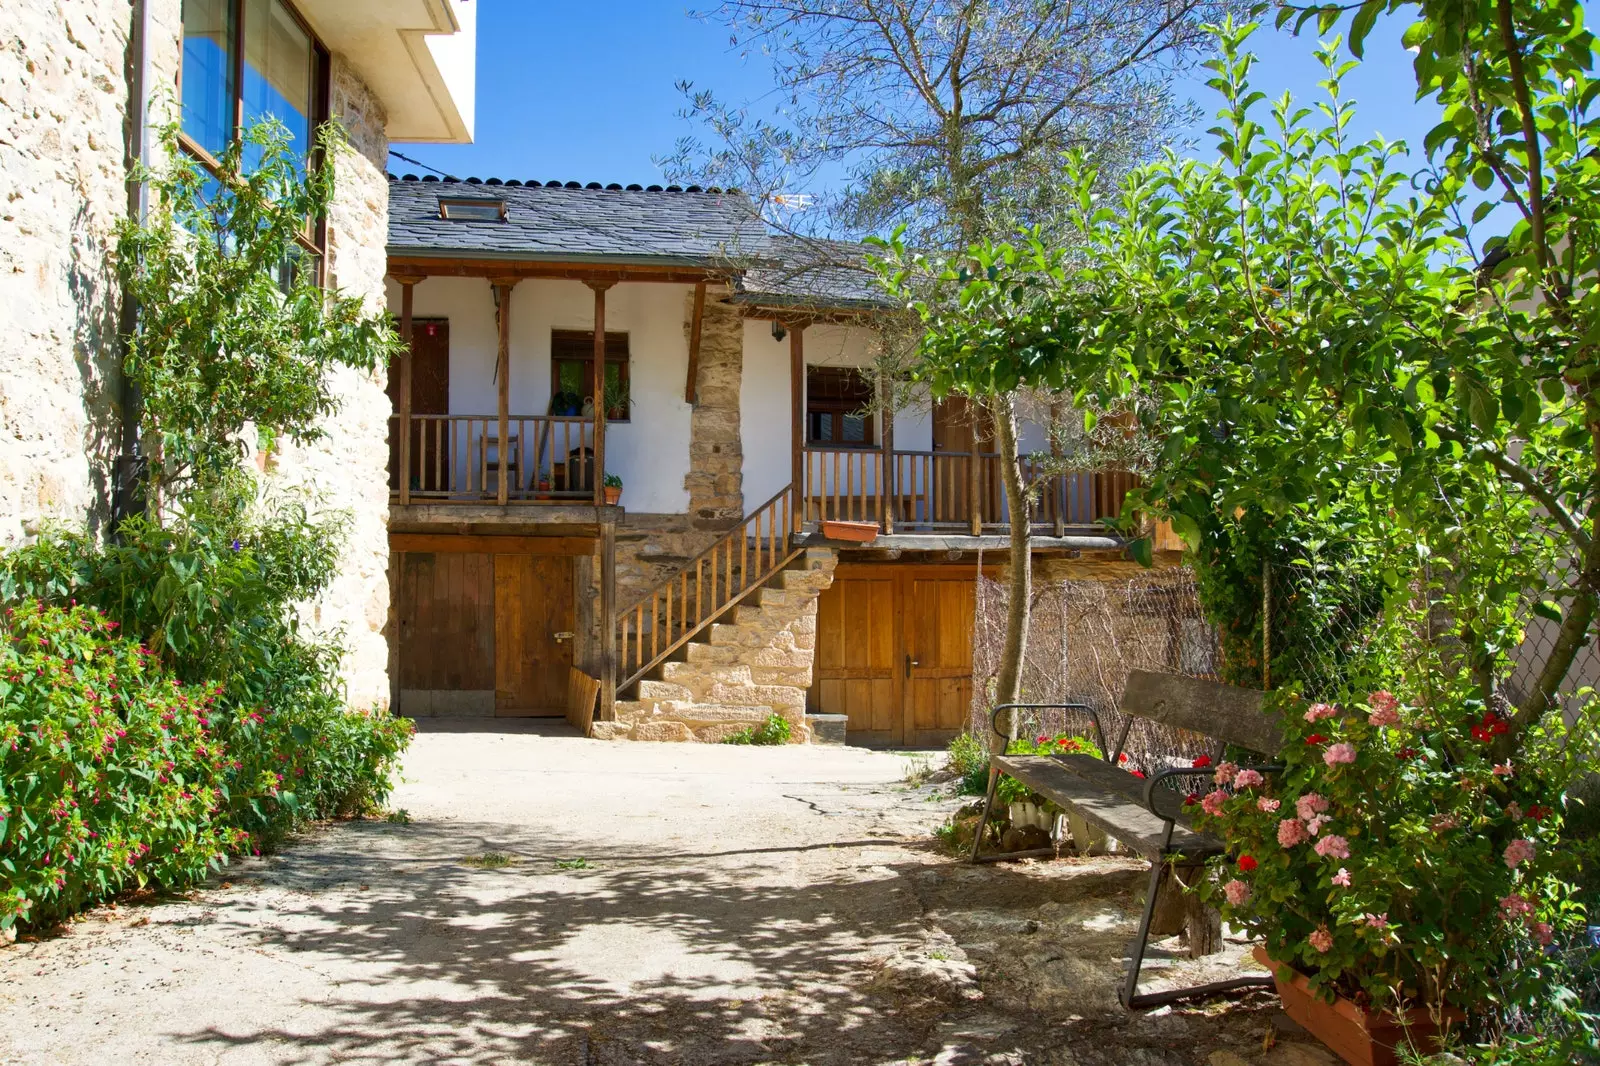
314,238
447,202
840,408
577,346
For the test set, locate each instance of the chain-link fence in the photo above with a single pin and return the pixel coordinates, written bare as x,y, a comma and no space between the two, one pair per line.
1084,638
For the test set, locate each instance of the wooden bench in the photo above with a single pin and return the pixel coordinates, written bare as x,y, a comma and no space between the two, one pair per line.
1145,815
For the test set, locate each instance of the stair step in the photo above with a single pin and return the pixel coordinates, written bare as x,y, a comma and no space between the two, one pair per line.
700,653
691,677
753,695
663,690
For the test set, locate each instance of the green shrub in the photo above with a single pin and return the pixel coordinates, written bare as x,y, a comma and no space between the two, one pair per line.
969,760
775,730
111,775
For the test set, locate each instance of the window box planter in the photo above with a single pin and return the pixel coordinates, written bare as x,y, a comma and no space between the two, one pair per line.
855,532
1359,1036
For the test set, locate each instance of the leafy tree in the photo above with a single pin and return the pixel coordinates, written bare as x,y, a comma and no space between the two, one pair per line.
235,329
948,119
1322,337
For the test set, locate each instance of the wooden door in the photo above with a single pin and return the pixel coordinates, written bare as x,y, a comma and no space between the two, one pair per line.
430,395
533,632
937,655
894,653
444,611
856,672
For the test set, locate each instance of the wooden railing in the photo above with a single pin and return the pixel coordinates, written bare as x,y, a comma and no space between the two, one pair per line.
546,458
952,491
664,619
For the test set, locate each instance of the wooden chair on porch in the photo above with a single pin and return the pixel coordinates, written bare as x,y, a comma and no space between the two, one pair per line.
503,462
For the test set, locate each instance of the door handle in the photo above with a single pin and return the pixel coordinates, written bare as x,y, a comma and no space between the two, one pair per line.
910,662
563,636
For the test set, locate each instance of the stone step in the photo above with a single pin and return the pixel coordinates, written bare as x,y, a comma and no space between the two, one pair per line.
697,677
704,654
663,690
777,697
788,676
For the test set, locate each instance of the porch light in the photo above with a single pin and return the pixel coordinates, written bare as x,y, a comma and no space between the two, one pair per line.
778,332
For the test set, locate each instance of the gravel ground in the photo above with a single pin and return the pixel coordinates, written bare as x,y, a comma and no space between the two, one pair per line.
556,900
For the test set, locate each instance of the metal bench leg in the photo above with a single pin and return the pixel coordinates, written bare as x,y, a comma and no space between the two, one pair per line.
988,808
1130,996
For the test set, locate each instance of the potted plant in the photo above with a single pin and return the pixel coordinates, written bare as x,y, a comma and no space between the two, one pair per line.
617,399
1404,855
612,485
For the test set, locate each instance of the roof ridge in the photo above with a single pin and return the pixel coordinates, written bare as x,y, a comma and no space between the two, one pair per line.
592,186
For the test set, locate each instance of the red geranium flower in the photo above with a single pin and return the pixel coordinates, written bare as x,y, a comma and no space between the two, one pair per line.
1136,773
1191,799
1247,863
1406,754
1202,762
1123,757
1316,738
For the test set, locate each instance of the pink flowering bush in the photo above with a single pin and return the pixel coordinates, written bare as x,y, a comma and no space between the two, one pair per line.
1395,855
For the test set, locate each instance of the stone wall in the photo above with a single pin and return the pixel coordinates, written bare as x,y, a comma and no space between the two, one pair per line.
346,472
651,548
64,93
716,457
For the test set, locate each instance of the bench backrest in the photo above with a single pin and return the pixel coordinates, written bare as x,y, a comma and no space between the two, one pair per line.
1224,712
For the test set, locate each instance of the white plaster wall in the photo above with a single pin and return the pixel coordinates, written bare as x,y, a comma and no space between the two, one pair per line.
650,452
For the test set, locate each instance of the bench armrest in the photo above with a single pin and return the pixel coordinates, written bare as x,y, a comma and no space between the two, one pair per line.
994,717
1194,771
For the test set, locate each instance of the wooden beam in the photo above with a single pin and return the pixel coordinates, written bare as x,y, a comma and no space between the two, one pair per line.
407,284
689,391
886,483
608,621
502,288
490,544
797,422
599,386
459,267
974,495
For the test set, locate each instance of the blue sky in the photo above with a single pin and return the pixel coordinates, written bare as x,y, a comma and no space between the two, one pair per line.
585,92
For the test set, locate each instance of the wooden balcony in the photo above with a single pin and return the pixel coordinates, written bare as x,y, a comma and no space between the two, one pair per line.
952,492
544,459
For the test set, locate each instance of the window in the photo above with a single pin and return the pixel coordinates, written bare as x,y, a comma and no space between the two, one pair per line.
836,402
572,374
245,61
465,209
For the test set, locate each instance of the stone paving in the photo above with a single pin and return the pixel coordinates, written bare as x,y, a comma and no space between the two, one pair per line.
563,901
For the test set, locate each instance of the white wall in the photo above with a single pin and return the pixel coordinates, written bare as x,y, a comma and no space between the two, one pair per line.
651,451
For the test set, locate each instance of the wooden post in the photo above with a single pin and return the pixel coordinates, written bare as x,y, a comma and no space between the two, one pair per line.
974,514
608,620
797,422
1057,478
502,290
886,485
689,392
407,283
599,386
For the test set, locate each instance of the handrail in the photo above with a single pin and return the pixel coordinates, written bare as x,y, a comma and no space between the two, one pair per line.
460,457
739,562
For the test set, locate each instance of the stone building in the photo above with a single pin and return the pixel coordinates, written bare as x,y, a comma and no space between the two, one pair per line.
779,543
83,83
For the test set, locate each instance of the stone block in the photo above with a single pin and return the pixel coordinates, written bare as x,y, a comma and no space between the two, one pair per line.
662,731
827,728
707,654
663,690
608,731
796,676
778,697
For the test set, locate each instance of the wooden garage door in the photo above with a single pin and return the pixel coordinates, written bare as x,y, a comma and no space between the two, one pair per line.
894,653
483,633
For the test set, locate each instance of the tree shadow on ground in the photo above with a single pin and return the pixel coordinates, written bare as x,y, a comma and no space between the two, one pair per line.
671,957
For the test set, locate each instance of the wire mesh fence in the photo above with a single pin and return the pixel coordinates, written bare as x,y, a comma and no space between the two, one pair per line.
1084,638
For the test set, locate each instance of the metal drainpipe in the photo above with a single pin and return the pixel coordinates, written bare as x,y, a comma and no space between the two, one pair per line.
127,497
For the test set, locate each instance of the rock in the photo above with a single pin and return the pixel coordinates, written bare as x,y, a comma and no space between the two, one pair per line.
1301,1055
936,972
1024,839
1226,1058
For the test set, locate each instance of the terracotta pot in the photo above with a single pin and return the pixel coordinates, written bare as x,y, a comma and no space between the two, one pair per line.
858,532
613,494
1359,1036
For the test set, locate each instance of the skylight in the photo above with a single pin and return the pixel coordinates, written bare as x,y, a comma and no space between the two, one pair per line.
471,209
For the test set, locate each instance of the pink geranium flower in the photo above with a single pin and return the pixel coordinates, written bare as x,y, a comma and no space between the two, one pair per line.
1503,769
1342,878
1320,711
1291,831
1384,718
1334,846
1248,779
1310,804
1385,708
1236,891
1518,851
1542,932
1225,773
1322,940
1213,802
1266,805
1514,906
1339,753
1315,823
1378,921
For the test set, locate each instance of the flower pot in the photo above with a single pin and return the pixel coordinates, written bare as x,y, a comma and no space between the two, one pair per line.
853,532
1359,1036
613,494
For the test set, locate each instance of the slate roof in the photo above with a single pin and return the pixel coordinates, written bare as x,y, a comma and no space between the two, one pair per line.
665,226
804,272
572,223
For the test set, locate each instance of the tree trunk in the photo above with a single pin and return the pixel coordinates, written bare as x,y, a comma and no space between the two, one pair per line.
1020,594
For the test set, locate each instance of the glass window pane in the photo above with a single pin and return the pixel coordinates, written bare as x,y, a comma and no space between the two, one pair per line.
208,73
855,429
278,65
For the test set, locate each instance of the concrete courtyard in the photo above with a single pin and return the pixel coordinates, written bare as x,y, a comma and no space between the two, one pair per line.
564,901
